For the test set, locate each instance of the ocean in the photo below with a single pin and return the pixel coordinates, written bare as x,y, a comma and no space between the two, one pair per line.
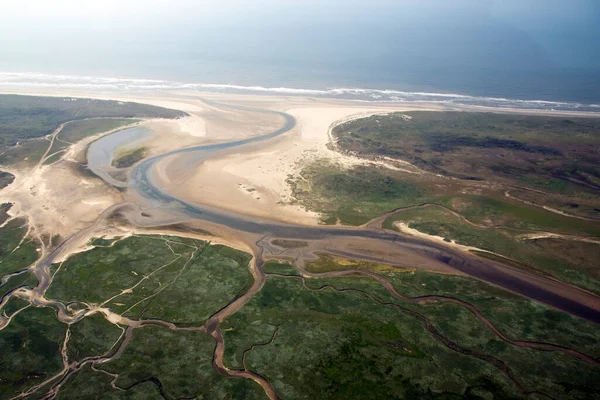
464,52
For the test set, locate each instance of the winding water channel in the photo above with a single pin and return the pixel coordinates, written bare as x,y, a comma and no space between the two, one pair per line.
543,289
143,184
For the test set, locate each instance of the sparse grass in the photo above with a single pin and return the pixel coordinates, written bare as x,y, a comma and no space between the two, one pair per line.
491,211
26,117
77,130
289,244
327,263
26,153
279,267
129,158
571,264
29,152
353,196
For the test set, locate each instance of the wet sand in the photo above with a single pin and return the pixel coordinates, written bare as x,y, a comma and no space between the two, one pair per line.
168,192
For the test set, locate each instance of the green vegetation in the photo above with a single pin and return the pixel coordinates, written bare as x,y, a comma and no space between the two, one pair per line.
516,316
569,261
354,196
289,244
30,151
161,277
4,208
76,130
129,158
218,275
475,147
6,179
16,251
26,279
175,279
495,212
357,195
354,341
89,384
329,263
553,156
180,363
480,145
92,336
328,344
26,117
30,350
279,267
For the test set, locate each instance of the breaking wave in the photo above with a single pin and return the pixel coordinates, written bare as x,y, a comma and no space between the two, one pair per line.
29,81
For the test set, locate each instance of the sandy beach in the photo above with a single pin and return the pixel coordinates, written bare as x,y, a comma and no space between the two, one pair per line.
250,180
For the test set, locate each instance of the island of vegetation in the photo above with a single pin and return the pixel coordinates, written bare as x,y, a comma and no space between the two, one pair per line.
129,158
169,312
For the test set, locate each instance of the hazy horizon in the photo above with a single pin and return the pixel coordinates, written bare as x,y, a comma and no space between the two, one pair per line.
521,49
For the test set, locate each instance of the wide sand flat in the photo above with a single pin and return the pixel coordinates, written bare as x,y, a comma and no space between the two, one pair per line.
251,180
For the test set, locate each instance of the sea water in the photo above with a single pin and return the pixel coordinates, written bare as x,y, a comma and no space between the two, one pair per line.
517,54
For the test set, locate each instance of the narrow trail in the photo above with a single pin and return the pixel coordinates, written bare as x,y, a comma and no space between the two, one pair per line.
377,223
549,209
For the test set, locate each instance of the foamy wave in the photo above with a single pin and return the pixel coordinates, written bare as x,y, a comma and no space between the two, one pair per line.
22,80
